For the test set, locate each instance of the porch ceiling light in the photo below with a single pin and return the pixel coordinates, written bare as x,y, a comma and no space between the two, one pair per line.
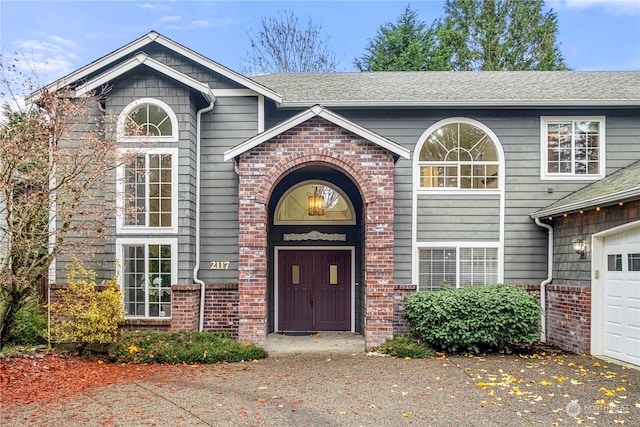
316,203
578,246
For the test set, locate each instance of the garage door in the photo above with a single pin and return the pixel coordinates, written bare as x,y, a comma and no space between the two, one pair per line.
622,296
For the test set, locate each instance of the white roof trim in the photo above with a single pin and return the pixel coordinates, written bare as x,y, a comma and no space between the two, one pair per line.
319,111
170,44
467,103
606,200
144,59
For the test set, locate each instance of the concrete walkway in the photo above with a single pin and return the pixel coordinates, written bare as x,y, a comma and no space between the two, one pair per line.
329,342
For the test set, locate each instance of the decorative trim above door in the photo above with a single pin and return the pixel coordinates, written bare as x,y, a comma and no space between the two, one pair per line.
314,235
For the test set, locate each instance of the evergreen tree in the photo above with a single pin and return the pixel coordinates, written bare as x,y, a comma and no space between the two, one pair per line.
498,35
405,45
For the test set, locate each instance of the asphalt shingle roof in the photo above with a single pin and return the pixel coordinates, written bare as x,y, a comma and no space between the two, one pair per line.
622,185
515,88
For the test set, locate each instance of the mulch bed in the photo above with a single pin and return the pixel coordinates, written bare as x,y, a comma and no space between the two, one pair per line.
45,376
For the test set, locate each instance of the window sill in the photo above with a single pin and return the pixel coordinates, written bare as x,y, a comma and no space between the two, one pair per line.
147,321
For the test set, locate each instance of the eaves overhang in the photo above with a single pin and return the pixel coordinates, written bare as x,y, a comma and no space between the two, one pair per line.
138,45
328,115
603,201
524,103
144,59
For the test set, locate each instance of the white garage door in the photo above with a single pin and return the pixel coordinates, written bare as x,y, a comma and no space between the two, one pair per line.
622,296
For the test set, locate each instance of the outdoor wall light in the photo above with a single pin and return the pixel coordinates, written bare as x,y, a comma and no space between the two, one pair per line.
578,246
316,203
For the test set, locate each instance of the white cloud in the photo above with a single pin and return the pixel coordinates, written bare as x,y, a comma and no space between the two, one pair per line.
201,23
612,7
150,6
47,57
168,19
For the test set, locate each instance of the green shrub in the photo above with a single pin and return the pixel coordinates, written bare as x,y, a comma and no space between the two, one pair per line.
86,314
406,346
474,319
178,347
29,327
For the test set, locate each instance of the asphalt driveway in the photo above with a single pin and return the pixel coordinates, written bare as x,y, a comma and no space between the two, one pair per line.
333,387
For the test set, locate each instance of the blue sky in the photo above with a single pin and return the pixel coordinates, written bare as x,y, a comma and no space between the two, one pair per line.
58,37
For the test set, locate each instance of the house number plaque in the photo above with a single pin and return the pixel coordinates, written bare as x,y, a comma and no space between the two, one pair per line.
219,265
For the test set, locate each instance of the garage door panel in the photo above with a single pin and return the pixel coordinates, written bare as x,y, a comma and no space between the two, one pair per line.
613,314
632,353
613,344
633,293
621,302
633,319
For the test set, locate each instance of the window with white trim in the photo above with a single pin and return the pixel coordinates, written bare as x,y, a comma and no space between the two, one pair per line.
572,147
458,155
148,192
148,270
148,119
457,267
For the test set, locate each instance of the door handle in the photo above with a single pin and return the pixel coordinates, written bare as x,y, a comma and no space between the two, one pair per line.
311,297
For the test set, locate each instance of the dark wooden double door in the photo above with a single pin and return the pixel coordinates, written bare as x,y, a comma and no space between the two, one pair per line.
314,290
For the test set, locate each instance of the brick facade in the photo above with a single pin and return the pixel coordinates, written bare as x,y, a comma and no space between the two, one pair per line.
185,307
400,325
221,308
568,317
371,167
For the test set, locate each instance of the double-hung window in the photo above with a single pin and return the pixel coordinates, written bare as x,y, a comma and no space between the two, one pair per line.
457,267
572,147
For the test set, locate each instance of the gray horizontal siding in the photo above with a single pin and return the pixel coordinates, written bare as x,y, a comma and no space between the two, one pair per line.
232,121
518,131
443,218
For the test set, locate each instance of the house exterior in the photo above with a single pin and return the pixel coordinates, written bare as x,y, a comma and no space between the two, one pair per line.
316,202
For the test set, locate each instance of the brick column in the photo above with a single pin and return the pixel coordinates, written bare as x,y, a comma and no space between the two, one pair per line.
185,307
379,288
252,260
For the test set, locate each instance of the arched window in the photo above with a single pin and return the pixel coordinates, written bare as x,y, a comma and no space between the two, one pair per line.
314,201
458,155
148,183
148,118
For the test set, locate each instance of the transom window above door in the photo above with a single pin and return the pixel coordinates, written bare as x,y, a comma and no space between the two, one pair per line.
314,201
458,155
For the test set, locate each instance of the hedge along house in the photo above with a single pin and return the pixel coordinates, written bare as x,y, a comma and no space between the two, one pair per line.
316,202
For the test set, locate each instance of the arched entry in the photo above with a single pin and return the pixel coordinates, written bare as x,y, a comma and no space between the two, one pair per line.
316,138
316,255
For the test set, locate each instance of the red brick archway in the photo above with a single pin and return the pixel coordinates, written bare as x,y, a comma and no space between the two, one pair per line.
370,167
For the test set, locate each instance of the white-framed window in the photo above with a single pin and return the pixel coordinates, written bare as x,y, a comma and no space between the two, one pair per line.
147,119
457,266
458,154
148,269
147,188
572,148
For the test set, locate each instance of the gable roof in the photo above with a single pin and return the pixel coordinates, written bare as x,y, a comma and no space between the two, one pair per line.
620,186
154,37
456,88
144,59
319,111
